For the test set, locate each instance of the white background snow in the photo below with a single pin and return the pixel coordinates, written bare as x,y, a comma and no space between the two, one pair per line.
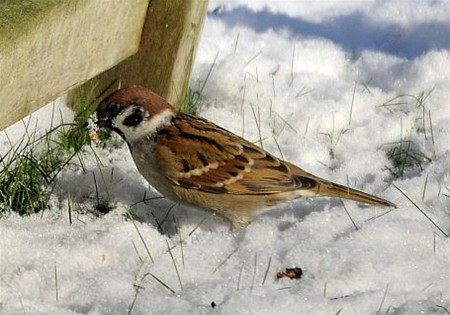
315,74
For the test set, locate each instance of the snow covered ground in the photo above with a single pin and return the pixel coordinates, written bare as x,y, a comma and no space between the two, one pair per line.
333,87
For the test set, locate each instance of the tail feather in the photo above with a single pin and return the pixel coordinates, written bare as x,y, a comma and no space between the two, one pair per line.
322,187
335,190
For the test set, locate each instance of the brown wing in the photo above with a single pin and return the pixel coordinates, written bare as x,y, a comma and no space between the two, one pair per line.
208,158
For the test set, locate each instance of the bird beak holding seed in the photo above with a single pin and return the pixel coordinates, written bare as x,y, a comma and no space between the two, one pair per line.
104,122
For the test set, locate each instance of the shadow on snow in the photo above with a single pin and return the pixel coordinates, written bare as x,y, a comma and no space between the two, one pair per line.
354,32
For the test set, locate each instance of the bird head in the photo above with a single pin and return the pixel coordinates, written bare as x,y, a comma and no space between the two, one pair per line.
134,112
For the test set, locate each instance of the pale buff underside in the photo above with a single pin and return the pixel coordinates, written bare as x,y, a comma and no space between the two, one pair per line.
238,209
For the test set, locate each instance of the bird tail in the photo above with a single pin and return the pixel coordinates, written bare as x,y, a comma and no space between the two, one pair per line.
335,190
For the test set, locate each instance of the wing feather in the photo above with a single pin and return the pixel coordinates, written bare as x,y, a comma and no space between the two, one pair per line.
208,158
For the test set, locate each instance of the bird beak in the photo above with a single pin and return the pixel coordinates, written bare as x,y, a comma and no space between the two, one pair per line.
104,121
106,113
98,121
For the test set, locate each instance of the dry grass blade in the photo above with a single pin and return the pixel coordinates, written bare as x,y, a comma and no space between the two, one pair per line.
69,209
443,308
141,237
292,67
56,283
145,200
431,126
175,265
209,74
253,58
348,214
421,211
159,281
366,86
236,42
238,287
394,102
267,271
200,223
177,227
351,106
137,252
285,123
255,267
258,124
226,259
278,146
167,213
380,215
425,187
383,299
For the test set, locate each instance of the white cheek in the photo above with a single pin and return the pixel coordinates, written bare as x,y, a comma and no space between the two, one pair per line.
145,128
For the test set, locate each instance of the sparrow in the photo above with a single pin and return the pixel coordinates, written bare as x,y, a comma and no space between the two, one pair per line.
193,161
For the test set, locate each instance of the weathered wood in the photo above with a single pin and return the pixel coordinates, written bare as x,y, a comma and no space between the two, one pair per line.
166,52
50,46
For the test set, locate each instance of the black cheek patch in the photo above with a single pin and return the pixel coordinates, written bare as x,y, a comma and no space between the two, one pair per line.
134,119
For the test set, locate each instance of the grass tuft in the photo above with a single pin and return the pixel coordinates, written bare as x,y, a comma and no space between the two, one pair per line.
193,96
28,170
404,155
191,102
26,175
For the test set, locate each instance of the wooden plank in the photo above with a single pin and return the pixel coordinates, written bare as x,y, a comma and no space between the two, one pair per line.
166,53
48,47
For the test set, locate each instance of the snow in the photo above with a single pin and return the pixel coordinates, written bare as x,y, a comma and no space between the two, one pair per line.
315,74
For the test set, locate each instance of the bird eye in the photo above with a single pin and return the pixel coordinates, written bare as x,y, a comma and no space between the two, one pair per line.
134,118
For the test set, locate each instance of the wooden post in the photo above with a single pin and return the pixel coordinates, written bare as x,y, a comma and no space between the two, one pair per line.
50,46
165,56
